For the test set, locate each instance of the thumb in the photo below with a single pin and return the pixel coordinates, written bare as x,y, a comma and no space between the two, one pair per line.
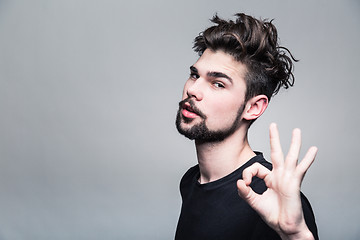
246,192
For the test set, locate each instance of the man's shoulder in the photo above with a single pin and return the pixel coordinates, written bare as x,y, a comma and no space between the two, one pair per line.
191,173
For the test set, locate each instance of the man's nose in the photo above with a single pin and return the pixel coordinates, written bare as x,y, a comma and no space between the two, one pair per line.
195,89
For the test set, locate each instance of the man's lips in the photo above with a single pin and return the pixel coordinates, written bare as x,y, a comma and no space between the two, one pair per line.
188,114
187,111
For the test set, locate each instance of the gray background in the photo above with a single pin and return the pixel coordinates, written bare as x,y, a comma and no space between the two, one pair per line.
88,96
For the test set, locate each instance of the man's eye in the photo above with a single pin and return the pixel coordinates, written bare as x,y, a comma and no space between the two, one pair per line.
219,85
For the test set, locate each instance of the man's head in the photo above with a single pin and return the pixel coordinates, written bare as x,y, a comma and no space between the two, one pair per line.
255,44
241,66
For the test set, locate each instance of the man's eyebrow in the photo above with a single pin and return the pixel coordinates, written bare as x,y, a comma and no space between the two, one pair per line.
193,69
219,75
212,74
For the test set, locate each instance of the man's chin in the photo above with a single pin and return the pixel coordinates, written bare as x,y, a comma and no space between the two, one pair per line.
185,130
197,130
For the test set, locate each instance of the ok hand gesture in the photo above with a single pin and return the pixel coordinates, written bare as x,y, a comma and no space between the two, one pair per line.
280,205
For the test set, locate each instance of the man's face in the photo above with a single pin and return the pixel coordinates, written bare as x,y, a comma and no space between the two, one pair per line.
213,98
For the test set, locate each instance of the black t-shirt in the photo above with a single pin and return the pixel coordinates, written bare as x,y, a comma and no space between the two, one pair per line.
215,211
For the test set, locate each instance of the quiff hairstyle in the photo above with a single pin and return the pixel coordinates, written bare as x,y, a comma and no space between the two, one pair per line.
254,43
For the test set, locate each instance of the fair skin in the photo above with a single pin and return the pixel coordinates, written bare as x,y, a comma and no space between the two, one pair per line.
217,87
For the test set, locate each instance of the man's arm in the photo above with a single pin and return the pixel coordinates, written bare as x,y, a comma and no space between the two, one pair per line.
280,205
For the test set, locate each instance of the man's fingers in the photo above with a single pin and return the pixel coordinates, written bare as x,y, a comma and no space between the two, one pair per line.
246,193
277,156
257,170
306,162
244,190
294,151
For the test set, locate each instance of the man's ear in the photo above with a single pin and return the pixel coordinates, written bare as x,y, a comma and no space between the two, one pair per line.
255,107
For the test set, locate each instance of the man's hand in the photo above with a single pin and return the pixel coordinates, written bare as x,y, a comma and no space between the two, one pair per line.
280,205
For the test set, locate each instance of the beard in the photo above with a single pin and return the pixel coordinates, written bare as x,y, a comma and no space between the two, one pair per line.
200,132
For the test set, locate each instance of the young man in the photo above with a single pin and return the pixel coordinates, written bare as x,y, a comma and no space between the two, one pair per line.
241,66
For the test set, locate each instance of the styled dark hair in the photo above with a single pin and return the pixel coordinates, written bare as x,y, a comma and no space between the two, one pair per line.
254,43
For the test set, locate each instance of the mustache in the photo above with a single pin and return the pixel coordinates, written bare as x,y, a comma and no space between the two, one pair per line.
194,109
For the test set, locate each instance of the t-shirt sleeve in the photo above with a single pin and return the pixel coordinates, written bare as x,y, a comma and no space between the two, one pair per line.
309,216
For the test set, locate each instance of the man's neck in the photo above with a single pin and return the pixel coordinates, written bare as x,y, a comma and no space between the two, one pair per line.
216,160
